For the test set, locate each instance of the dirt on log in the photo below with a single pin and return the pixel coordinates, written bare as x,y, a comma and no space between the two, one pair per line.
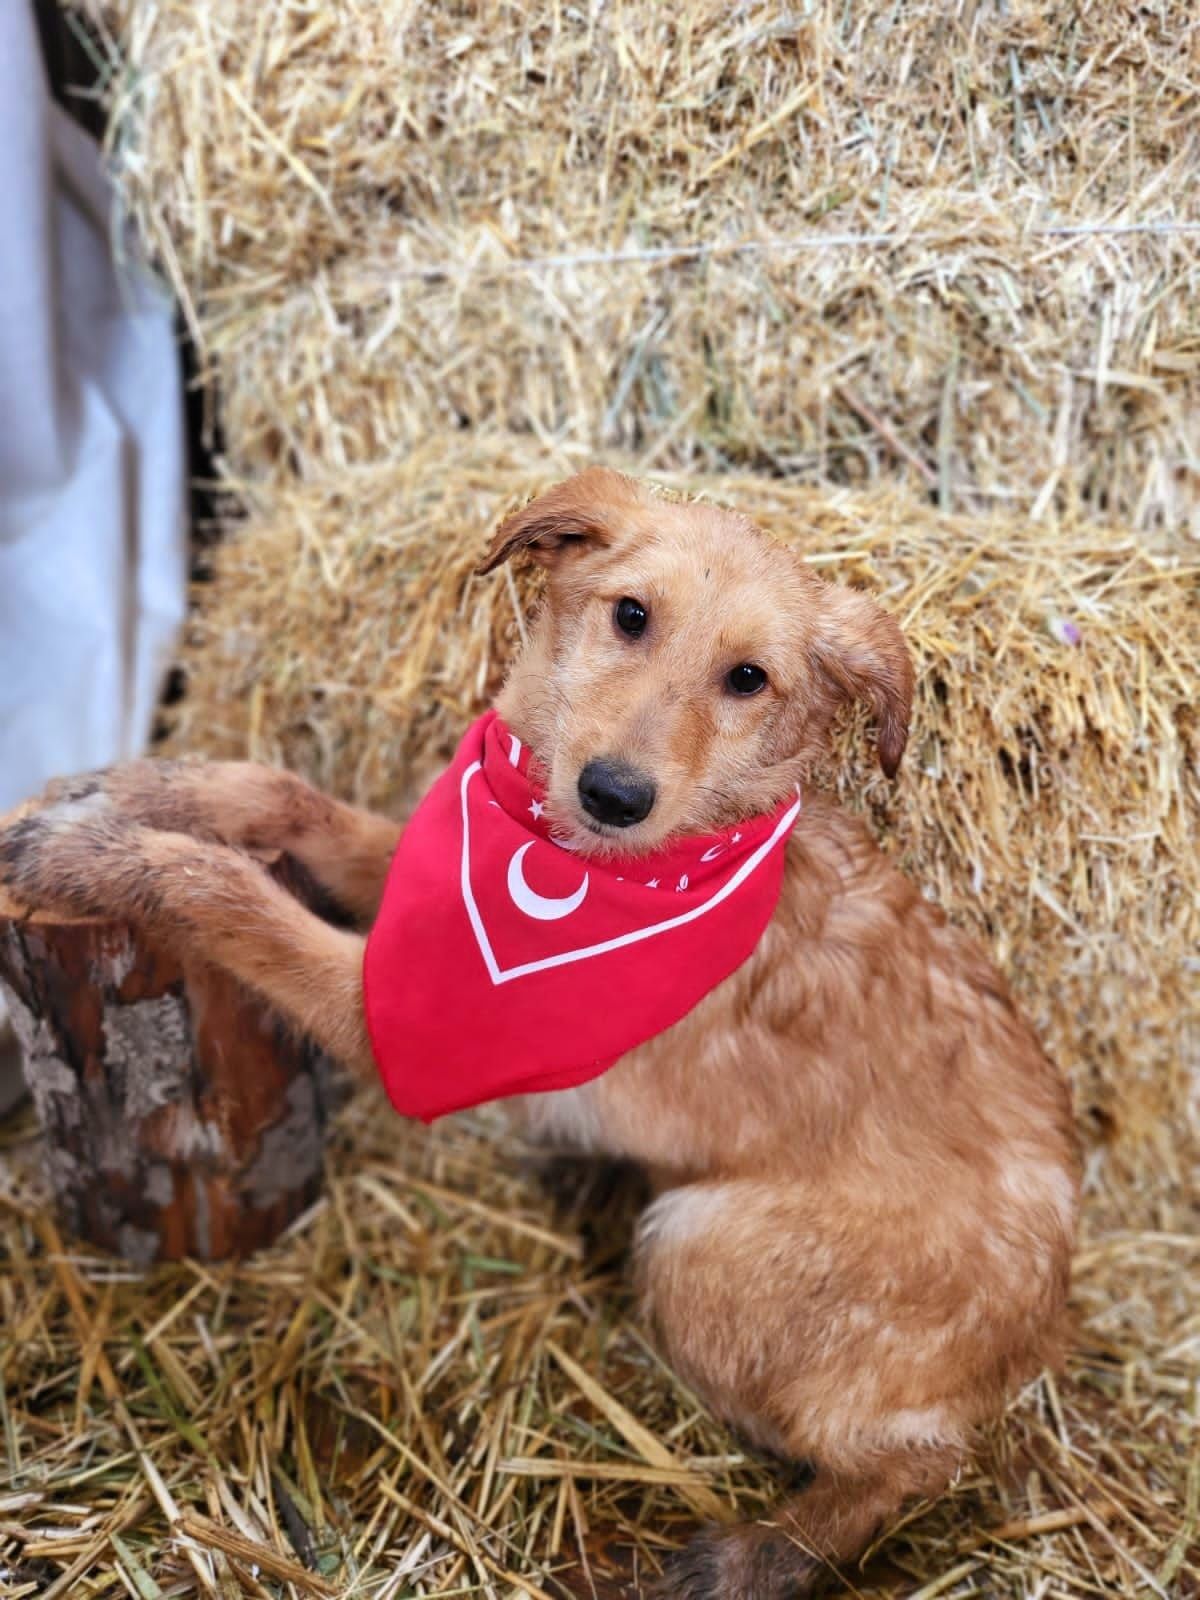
181,1117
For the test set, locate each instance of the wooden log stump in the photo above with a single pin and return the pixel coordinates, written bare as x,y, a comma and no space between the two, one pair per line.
180,1116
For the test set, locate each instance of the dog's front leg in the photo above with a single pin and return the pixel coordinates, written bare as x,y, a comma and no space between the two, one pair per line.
255,807
83,858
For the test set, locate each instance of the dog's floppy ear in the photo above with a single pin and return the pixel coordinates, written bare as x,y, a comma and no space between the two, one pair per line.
579,512
861,650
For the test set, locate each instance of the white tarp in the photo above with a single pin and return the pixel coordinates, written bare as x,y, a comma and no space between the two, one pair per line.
93,546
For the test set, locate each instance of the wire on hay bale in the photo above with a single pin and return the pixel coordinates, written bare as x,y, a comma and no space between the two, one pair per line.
351,205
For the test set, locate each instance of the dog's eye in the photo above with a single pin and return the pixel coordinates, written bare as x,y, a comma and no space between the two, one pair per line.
630,616
745,679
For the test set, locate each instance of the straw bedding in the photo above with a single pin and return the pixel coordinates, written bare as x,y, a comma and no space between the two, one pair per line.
437,1383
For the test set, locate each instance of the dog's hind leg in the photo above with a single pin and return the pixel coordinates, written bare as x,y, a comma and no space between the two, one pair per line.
809,1539
783,1314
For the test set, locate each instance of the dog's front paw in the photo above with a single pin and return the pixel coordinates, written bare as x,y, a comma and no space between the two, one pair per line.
75,857
151,791
79,786
238,803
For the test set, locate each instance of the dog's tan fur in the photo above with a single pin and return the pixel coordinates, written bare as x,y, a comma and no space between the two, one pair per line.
865,1164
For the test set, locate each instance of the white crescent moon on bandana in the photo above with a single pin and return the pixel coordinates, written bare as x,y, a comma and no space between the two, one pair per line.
713,853
539,905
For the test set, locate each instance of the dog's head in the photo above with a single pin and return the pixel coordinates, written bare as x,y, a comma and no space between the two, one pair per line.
685,669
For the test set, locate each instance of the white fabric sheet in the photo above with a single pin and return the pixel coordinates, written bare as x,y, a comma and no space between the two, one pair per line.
93,544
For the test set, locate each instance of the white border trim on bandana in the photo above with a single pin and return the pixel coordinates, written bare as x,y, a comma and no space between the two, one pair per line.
500,974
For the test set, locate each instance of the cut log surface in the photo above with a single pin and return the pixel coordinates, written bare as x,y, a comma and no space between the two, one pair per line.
180,1116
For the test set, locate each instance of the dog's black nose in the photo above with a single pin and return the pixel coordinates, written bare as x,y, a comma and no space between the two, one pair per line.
616,793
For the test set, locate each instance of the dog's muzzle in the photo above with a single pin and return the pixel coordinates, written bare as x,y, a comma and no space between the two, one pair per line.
615,793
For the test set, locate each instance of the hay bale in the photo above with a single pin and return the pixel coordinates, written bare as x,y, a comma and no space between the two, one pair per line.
347,199
1050,801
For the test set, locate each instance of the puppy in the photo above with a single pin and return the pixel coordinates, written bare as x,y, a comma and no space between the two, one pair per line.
865,1166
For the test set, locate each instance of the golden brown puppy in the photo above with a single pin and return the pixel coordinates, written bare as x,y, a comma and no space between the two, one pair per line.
865,1164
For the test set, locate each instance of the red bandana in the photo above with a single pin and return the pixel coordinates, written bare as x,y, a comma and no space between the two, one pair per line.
503,964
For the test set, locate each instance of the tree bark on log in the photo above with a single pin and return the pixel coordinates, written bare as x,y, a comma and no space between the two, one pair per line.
180,1116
